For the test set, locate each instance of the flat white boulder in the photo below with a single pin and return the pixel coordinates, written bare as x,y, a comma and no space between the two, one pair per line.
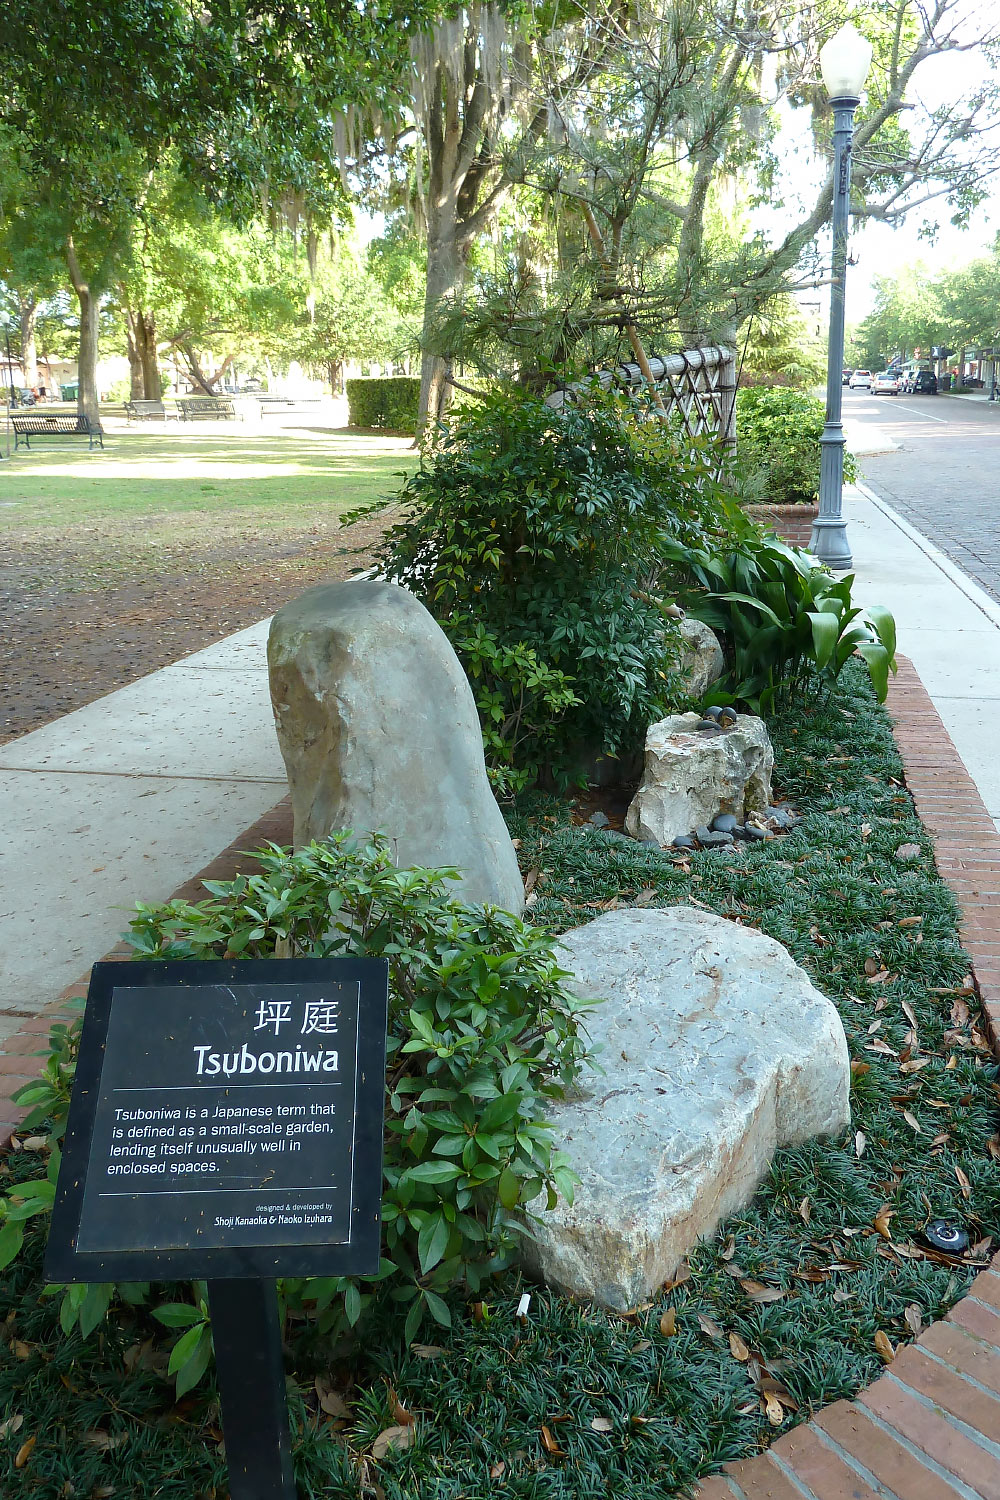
690,775
716,1049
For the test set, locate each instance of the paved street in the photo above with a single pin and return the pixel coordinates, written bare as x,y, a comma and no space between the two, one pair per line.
945,477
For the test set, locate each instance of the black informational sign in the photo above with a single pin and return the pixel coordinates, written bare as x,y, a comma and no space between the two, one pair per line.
226,1121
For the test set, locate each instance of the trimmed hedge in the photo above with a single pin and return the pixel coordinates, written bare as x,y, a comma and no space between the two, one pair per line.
779,433
386,401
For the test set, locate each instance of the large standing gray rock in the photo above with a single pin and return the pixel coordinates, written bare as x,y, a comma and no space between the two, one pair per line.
701,661
379,732
690,775
715,1049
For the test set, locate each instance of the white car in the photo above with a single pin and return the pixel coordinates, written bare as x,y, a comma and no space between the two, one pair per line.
860,380
886,384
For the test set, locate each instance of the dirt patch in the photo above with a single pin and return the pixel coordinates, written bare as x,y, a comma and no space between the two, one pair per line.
83,616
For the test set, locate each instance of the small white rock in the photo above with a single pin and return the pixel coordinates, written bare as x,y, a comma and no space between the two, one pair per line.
692,775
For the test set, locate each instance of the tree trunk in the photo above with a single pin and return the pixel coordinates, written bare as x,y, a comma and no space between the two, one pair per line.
205,383
444,274
29,351
87,401
146,343
137,389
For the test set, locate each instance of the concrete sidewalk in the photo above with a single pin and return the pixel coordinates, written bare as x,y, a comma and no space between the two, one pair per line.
946,625
122,801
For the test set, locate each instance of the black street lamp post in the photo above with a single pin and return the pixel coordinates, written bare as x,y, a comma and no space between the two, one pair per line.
845,61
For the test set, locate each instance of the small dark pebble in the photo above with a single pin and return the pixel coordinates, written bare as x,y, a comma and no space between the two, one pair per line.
751,831
598,820
724,823
710,840
682,841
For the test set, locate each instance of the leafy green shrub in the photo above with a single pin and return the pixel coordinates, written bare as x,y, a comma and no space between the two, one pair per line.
390,401
786,622
778,432
547,530
482,1034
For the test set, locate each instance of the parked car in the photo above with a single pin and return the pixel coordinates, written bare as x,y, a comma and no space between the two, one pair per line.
861,380
886,384
847,375
921,383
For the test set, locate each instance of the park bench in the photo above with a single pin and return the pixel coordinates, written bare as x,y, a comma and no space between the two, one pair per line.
278,404
38,425
148,411
198,408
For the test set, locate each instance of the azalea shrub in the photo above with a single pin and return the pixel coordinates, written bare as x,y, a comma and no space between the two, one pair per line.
535,537
483,1034
778,433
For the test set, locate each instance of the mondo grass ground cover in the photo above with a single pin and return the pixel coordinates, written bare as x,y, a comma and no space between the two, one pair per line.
799,1301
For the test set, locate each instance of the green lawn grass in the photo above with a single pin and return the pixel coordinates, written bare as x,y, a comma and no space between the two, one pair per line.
243,475
668,1408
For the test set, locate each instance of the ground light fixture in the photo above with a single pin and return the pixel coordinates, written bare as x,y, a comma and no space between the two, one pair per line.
845,61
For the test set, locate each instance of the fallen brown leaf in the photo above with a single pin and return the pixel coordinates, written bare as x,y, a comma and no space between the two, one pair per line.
963,1182
550,1444
668,1323
738,1348
24,1452
398,1437
913,1319
497,1469
758,1292
882,1218
12,1424
710,1327
857,1067
774,1410
913,1122
602,1424
682,1274
804,1211
860,1142
886,1352
427,1351
729,1250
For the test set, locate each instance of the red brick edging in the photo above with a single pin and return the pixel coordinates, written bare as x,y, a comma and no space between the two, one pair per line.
934,1416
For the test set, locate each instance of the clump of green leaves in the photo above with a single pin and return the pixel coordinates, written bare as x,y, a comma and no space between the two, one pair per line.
786,622
779,452
482,1034
546,529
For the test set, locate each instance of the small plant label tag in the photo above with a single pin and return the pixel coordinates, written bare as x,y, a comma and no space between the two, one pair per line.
225,1114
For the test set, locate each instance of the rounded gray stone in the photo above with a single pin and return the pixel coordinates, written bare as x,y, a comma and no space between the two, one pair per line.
379,732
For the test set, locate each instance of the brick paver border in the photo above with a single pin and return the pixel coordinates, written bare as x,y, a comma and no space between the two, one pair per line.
929,1428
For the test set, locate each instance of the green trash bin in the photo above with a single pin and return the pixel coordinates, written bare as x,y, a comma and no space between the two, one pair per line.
69,392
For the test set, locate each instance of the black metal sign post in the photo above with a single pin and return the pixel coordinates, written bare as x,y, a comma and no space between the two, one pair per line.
226,1125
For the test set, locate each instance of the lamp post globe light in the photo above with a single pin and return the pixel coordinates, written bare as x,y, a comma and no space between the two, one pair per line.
845,61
